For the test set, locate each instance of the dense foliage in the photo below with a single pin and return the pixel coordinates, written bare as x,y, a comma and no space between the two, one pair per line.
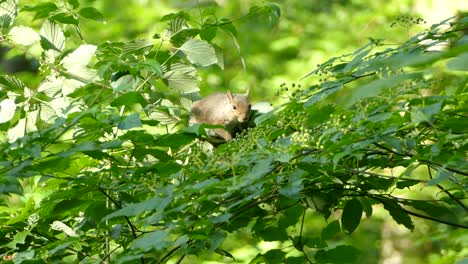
98,164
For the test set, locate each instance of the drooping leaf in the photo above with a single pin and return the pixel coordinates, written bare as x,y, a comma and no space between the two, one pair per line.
398,214
351,216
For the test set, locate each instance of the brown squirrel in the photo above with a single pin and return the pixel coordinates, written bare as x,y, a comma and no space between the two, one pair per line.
225,109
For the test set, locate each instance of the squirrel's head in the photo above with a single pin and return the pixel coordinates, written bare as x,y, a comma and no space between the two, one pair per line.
239,106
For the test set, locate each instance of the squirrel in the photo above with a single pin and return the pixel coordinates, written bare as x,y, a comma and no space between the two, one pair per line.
225,109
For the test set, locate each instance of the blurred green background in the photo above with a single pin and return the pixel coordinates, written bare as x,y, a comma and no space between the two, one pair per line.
267,53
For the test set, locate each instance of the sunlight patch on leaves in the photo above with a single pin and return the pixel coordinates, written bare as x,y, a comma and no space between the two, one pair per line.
199,52
24,35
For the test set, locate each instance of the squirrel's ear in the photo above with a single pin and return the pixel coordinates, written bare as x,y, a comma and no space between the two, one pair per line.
247,93
229,95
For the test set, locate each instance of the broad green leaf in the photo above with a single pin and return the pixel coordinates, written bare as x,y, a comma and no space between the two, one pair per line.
42,10
459,63
351,216
152,66
182,78
64,18
331,230
294,186
134,209
19,238
425,114
291,216
397,213
91,13
199,52
274,256
24,35
273,233
338,255
74,3
154,240
130,121
129,99
295,260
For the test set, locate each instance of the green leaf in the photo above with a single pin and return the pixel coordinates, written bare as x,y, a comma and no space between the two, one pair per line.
130,121
199,52
401,184
74,3
152,66
331,230
274,256
397,213
339,254
154,240
441,175
374,88
351,216
129,99
91,13
42,10
64,18
425,114
290,216
220,219
295,260
182,78
174,140
294,185
135,209
273,233
459,63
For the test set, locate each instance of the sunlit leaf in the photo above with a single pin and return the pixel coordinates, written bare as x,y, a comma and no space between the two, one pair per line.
7,110
199,52
24,35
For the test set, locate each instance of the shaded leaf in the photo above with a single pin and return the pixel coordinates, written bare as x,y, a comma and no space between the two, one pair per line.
130,121
351,216
339,254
